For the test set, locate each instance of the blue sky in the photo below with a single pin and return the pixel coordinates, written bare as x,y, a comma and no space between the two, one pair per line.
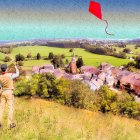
30,19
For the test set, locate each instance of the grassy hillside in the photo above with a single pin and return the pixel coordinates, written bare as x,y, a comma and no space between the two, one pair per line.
89,58
42,120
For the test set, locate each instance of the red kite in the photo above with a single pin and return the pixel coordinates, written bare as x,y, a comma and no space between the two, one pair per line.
95,9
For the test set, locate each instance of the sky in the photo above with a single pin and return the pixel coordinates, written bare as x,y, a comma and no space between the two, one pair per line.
40,19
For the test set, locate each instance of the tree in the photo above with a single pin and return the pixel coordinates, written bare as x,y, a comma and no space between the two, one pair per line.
20,63
7,59
137,62
126,50
57,61
71,50
62,56
67,61
38,56
79,62
51,55
19,57
29,55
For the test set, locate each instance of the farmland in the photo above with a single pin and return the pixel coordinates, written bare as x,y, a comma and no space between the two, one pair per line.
89,58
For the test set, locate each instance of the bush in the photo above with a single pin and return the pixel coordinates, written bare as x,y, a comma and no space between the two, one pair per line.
79,95
20,63
79,62
38,56
57,61
62,56
51,55
126,50
7,59
29,55
19,57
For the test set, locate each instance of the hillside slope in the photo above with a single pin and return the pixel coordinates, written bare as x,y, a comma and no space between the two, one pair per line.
42,120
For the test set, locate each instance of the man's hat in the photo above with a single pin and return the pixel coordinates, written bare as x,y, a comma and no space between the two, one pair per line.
3,66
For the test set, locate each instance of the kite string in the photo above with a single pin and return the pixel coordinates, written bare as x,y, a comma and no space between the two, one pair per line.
107,27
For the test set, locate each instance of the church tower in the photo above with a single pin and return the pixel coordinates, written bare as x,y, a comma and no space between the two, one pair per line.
73,67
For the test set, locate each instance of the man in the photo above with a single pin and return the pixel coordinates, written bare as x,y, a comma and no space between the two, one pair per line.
7,87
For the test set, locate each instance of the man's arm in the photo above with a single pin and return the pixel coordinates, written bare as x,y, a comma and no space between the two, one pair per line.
15,75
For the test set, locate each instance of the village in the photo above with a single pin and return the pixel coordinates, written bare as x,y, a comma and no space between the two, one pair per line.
105,74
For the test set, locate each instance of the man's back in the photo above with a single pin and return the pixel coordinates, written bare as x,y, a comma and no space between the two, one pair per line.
6,81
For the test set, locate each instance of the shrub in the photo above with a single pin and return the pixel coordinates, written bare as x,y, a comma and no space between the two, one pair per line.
57,61
38,56
19,57
137,60
7,59
62,56
29,55
126,50
51,55
20,63
79,95
79,62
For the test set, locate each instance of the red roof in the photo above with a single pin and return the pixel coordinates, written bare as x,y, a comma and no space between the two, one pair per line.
89,69
131,78
137,83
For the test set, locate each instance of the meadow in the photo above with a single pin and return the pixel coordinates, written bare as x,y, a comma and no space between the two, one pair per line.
89,58
39,119
132,48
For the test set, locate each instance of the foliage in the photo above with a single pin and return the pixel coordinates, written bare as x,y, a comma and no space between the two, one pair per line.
7,59
79,62
120,55
67,61
137,62
51,55
71,50
62,56
20,63
79,95
7,50
126,50
19,57
29,55
38,56
57,61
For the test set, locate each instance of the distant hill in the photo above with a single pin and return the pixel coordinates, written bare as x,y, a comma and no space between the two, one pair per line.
68,43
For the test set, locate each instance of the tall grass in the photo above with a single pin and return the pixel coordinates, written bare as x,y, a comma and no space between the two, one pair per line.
38,119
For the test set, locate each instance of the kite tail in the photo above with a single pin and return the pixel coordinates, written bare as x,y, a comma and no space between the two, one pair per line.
106,27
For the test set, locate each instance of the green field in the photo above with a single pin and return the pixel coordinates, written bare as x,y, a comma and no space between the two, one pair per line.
38,119
89,58
132,48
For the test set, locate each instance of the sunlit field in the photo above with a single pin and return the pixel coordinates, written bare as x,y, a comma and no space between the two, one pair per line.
89,58
38,119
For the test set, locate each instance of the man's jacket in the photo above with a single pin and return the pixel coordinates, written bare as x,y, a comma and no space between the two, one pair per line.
6,80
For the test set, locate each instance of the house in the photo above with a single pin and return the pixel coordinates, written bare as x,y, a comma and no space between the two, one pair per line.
136,87
48,67
105,66
45,71
58,73
35,69
89,70
131,82
67,76
107,78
